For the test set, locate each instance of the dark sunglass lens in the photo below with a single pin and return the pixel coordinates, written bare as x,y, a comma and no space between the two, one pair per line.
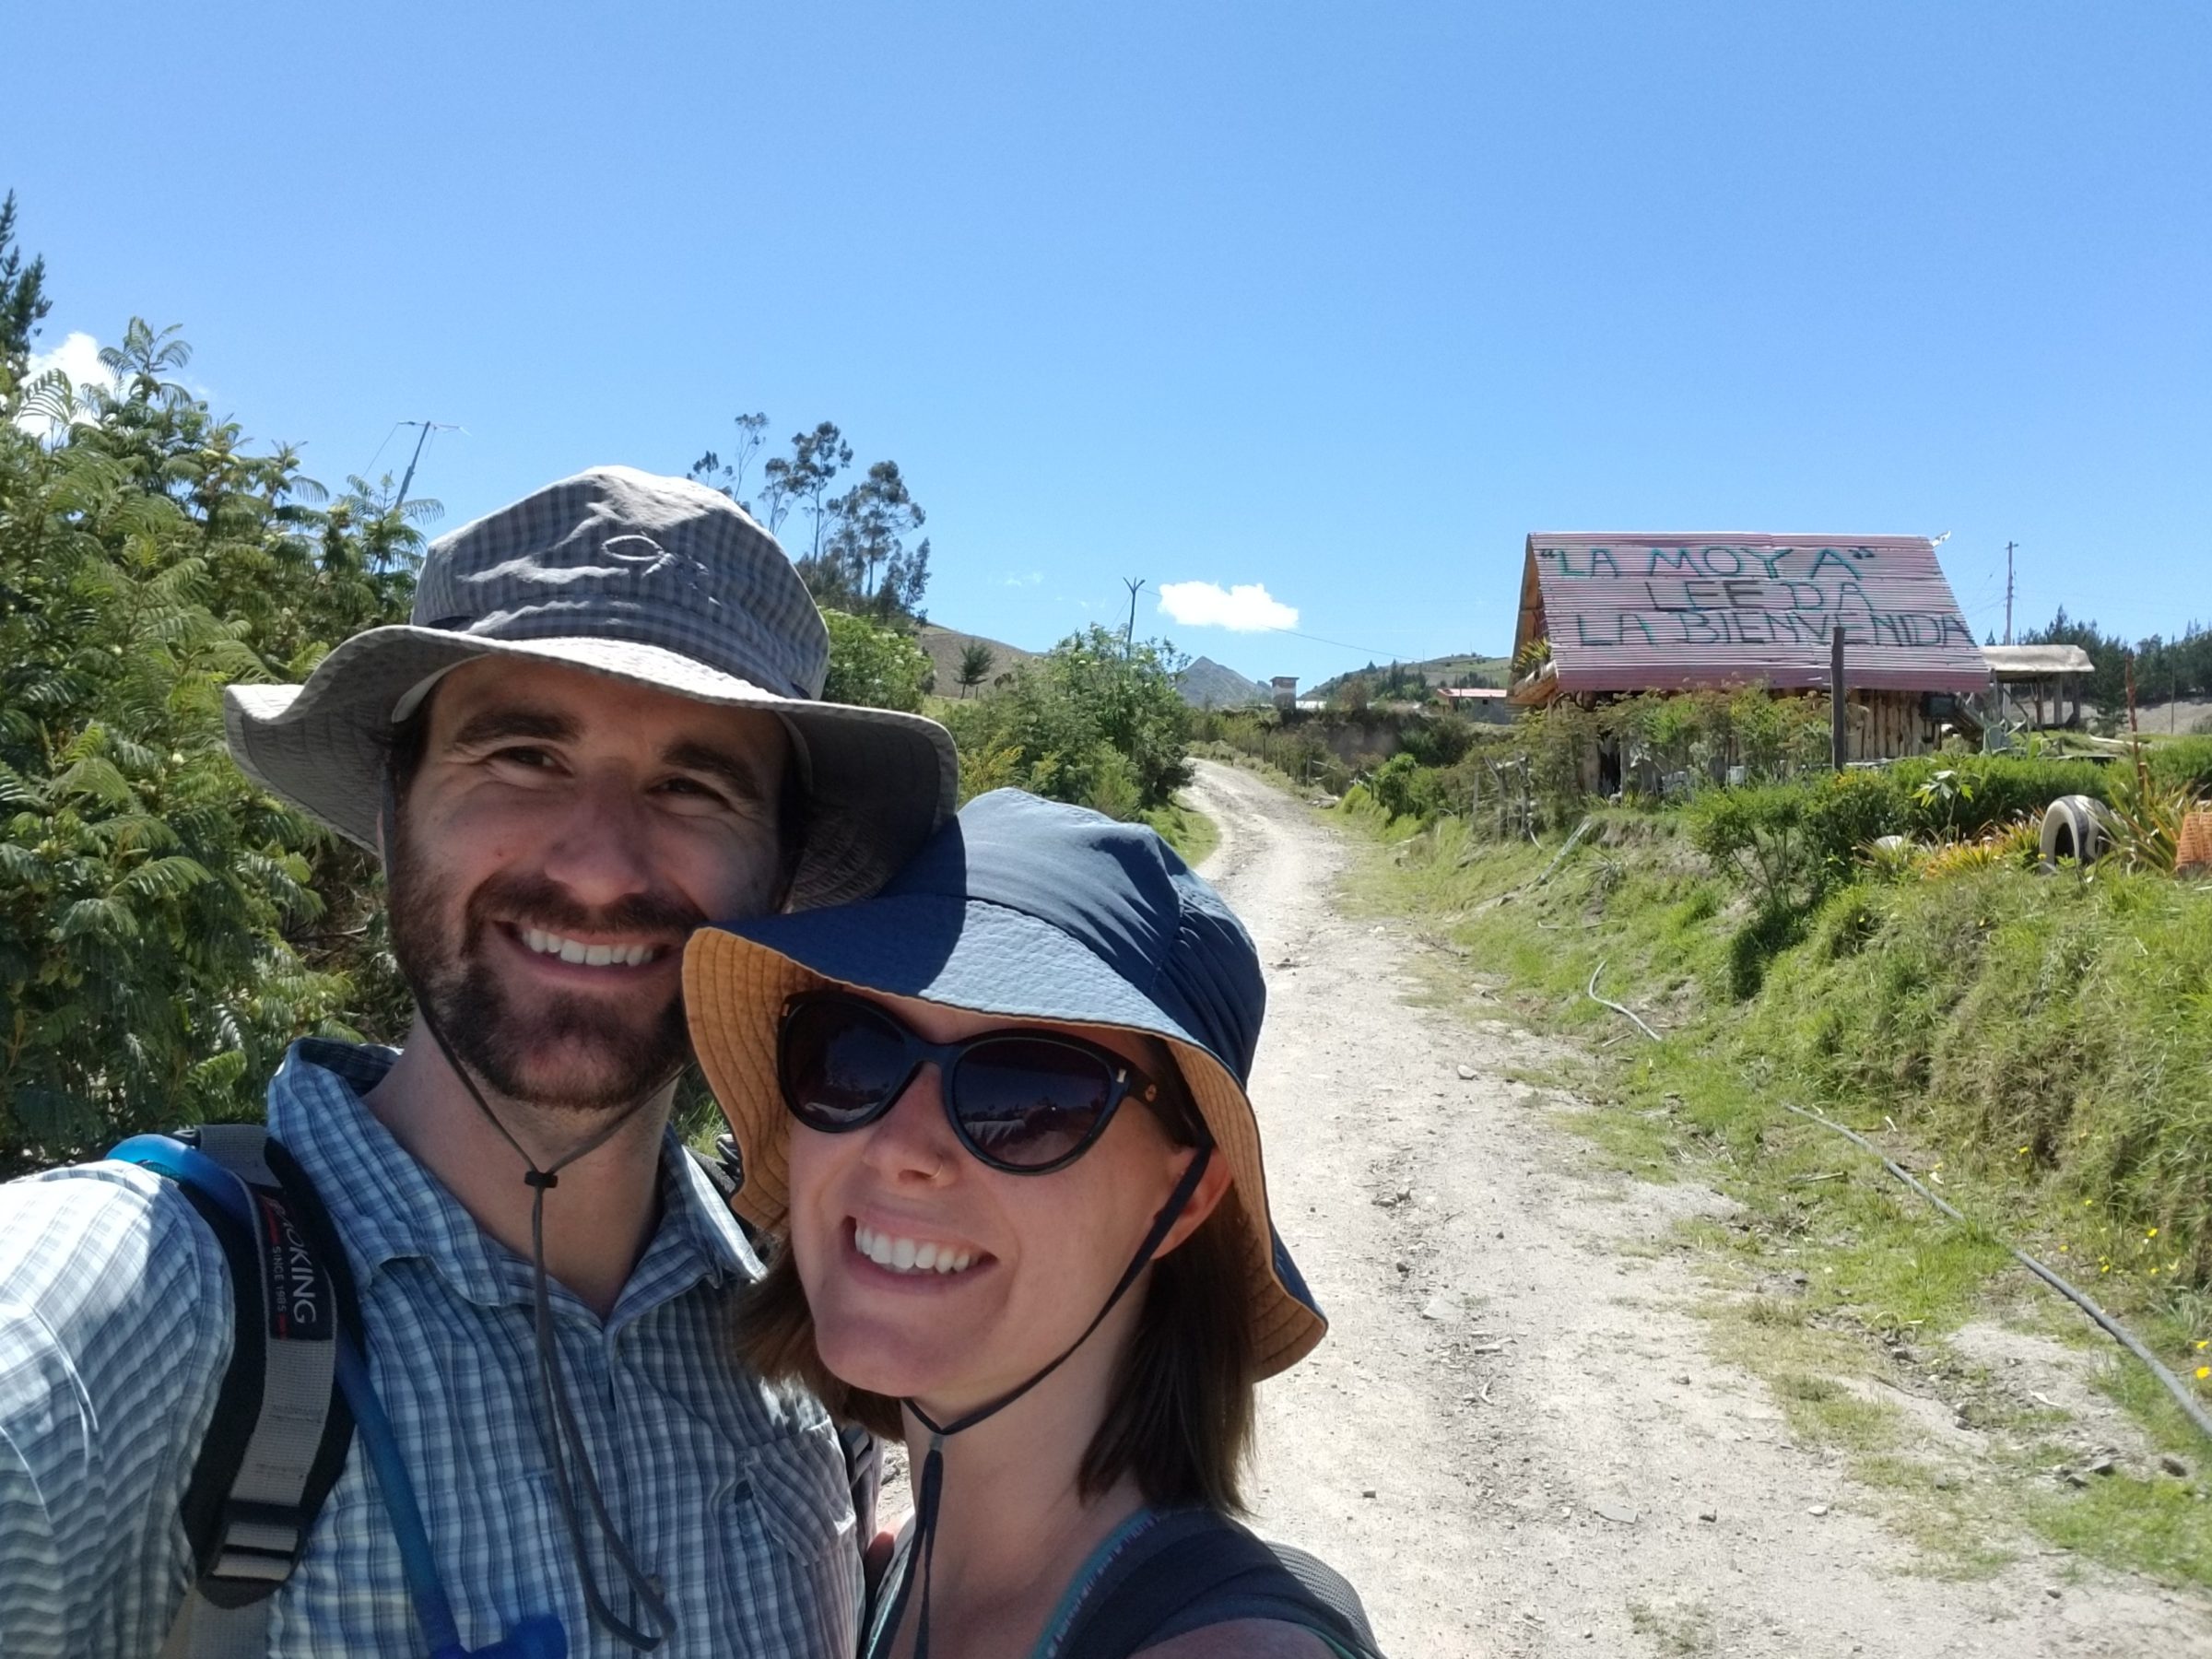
840,1061
1027,1103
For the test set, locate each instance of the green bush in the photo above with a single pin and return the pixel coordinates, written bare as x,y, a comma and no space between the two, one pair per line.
1996,790
1089,721
2181,763
166,928
874,663
1759,837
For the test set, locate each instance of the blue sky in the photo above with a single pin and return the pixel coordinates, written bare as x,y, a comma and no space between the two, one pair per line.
1341,301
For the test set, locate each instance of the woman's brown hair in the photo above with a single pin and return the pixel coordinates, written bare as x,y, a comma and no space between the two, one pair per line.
1179,1419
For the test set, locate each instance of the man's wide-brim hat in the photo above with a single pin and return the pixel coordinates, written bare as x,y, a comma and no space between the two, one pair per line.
1028,910
658,581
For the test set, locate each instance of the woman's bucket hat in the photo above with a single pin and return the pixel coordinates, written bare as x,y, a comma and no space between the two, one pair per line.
659,581
1026,910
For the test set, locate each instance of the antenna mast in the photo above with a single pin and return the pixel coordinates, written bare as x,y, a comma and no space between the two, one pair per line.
2008,548
428,427
1129,634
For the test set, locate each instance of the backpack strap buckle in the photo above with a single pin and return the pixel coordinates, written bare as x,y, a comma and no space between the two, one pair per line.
257,1543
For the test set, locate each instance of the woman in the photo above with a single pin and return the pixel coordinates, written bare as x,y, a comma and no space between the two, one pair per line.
998,1113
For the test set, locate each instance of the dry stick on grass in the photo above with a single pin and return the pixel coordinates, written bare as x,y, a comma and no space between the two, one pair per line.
2112,1327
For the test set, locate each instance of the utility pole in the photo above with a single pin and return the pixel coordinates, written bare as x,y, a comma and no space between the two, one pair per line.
1129,634
2008,548
423,437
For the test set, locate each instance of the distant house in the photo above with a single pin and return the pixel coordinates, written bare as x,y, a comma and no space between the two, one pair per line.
1283,688
1612,615
1477,702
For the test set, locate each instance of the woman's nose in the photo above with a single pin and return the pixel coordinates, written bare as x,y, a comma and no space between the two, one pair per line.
914,1138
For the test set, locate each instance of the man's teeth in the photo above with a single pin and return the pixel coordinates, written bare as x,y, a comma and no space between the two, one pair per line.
910,1256
591,956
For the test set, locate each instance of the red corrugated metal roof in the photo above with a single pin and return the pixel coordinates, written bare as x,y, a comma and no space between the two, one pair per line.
1651,613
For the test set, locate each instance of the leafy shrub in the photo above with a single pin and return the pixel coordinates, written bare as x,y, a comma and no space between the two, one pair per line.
1396,785
874,663
1992,789
2184,763
1087,722
165,927
1758,837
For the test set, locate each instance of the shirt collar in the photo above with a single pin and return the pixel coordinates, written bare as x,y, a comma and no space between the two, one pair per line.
387,1206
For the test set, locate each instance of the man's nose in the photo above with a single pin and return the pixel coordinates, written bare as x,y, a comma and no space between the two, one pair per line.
601,848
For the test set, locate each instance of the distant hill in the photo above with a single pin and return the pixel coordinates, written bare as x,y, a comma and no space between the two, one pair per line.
1206,685
944,646
1436,671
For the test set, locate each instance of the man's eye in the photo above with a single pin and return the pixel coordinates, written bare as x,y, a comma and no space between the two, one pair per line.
519,755
691,789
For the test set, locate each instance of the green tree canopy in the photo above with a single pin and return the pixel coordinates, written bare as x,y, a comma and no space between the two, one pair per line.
165,926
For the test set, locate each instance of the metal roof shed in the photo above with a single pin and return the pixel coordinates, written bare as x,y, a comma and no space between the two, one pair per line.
1633,612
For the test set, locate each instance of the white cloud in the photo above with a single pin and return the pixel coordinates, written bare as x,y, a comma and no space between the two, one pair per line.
1246,608
79,357
1029,579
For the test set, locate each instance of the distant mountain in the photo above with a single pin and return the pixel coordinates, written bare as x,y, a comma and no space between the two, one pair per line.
1206,685
944,646
1436,671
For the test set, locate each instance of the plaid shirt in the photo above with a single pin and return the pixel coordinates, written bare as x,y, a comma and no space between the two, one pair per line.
115,1326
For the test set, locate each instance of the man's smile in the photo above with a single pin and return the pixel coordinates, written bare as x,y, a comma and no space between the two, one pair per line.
614,953
577,960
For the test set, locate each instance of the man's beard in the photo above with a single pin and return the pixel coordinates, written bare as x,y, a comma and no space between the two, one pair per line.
523,1054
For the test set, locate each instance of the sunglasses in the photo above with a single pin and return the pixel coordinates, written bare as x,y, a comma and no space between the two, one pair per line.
1028,1102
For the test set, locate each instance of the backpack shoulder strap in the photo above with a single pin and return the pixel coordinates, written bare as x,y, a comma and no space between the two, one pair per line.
1198,1569
281,1430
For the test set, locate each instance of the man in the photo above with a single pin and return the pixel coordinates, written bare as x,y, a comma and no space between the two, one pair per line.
598,733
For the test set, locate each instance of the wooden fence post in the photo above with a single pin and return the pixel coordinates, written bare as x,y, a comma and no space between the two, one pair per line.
1839,740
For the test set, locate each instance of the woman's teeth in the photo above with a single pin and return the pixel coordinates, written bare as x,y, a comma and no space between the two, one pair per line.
910,1256
591,956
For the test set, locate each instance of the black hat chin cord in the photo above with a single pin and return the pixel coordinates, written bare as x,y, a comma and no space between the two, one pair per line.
929,1497
558,1432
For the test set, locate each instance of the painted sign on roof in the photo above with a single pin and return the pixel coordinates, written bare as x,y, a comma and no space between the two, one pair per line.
1643,613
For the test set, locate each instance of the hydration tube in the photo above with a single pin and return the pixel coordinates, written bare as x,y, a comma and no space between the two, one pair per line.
538,1636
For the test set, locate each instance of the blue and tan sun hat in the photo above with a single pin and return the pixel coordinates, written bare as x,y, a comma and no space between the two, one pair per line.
658,581
1026,910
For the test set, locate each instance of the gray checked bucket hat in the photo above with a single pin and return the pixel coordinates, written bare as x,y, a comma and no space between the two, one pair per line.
658,581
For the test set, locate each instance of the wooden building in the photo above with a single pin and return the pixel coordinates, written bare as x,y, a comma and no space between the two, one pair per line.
2039,687
1605,616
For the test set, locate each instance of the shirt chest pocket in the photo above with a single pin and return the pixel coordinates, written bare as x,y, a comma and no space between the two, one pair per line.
791,1557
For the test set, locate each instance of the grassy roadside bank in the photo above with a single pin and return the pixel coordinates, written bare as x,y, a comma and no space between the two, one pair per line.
2037,1050
1185,828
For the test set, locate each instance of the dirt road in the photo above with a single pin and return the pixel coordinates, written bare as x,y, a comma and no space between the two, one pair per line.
1514,1441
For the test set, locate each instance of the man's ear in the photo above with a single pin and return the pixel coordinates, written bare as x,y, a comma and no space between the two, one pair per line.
1208,1194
